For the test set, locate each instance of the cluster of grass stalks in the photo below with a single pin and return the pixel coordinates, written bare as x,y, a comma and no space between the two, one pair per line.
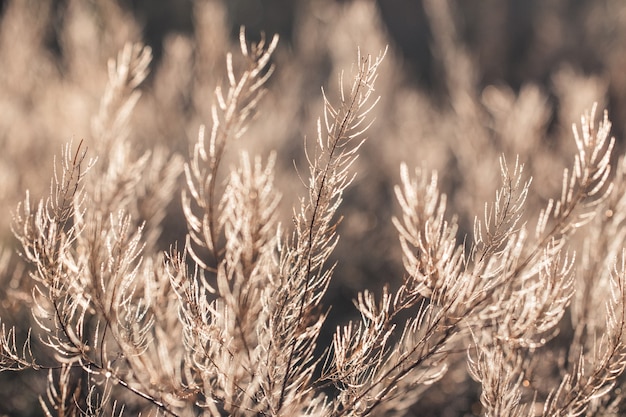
136,280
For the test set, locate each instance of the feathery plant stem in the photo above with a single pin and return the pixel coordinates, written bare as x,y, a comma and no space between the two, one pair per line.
339,131
588,179
230,115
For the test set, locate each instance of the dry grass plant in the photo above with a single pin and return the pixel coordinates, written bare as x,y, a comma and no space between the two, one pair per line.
529,299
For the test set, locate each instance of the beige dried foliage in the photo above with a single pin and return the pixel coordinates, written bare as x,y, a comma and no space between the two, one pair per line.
515,280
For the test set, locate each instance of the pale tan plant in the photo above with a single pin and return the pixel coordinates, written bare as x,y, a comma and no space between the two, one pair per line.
229,317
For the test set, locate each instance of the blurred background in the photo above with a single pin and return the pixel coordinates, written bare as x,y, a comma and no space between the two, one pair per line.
463,83
512,42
